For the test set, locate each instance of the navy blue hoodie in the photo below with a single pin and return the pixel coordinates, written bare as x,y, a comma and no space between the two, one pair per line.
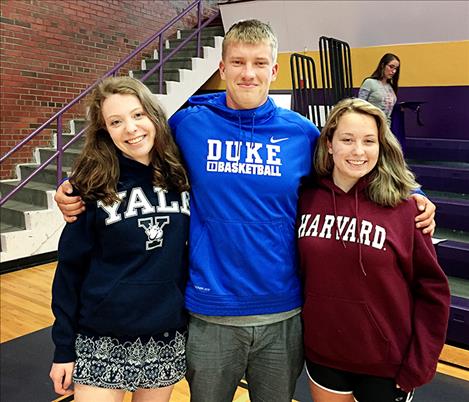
122,268
245,169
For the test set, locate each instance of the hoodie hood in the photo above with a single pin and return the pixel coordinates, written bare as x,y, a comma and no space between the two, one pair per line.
217,103
246,119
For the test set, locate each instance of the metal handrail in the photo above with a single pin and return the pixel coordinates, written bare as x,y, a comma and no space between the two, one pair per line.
58,116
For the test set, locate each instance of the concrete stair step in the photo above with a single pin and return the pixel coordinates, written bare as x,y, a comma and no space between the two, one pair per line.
437,149
186,51
13,212
171,65
47,175
441,178
169,75
6,228
78,144
154,87
206,32
207,40
68,157
33,192
77,125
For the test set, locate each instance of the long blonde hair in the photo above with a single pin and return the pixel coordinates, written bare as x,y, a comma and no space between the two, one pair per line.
96,170
390,181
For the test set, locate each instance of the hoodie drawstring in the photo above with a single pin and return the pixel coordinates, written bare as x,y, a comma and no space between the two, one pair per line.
357,232
335,216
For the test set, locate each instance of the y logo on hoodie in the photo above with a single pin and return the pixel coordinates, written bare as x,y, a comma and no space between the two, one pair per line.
153,227
252,158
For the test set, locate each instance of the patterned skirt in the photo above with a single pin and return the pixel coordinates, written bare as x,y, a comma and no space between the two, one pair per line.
107,362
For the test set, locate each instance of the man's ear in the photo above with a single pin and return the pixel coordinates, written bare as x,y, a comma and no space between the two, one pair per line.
275,71
221,68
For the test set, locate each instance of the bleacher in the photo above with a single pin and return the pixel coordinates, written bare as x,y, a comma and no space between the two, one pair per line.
442,168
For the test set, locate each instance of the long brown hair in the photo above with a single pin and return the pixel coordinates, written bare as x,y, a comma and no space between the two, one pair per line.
378,74
96,171
390,181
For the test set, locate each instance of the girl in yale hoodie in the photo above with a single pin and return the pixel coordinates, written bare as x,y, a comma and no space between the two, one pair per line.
376,300
118,290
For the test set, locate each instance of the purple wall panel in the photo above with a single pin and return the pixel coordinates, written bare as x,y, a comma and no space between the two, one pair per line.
445,115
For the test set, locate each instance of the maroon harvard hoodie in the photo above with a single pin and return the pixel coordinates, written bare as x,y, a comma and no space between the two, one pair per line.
376,300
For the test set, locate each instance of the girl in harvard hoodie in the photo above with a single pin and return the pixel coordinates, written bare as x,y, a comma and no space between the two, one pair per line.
118,290
376,300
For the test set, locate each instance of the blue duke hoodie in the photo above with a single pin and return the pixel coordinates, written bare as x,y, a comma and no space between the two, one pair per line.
122,268
245,169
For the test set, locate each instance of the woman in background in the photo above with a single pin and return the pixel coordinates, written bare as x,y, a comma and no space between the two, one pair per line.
381,88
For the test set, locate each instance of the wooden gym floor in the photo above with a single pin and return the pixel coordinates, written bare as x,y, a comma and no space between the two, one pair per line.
25,308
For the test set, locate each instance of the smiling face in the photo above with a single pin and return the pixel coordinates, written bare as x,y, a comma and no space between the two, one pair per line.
354,149
248,70
130,128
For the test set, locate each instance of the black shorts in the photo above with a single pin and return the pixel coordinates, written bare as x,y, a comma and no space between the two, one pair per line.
363,387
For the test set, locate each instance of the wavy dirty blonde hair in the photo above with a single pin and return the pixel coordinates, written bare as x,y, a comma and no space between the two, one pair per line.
96,171
390,181
251,32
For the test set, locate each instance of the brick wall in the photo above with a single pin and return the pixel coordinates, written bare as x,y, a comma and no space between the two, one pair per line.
52,50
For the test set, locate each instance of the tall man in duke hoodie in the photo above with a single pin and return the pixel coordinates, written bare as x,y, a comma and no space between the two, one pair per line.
246,158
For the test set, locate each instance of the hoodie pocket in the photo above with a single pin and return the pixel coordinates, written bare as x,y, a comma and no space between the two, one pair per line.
226,251
343,330
139,308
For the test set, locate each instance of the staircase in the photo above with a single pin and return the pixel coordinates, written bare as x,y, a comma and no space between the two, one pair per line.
184,74
442,168
30,222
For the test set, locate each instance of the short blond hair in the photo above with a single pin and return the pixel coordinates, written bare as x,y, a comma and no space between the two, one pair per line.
251,32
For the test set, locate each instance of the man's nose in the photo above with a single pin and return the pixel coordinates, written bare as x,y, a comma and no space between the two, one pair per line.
248,70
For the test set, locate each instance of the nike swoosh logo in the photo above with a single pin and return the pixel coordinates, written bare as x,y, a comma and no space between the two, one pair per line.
275,140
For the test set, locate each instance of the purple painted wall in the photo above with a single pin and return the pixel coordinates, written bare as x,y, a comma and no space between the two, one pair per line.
445,115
